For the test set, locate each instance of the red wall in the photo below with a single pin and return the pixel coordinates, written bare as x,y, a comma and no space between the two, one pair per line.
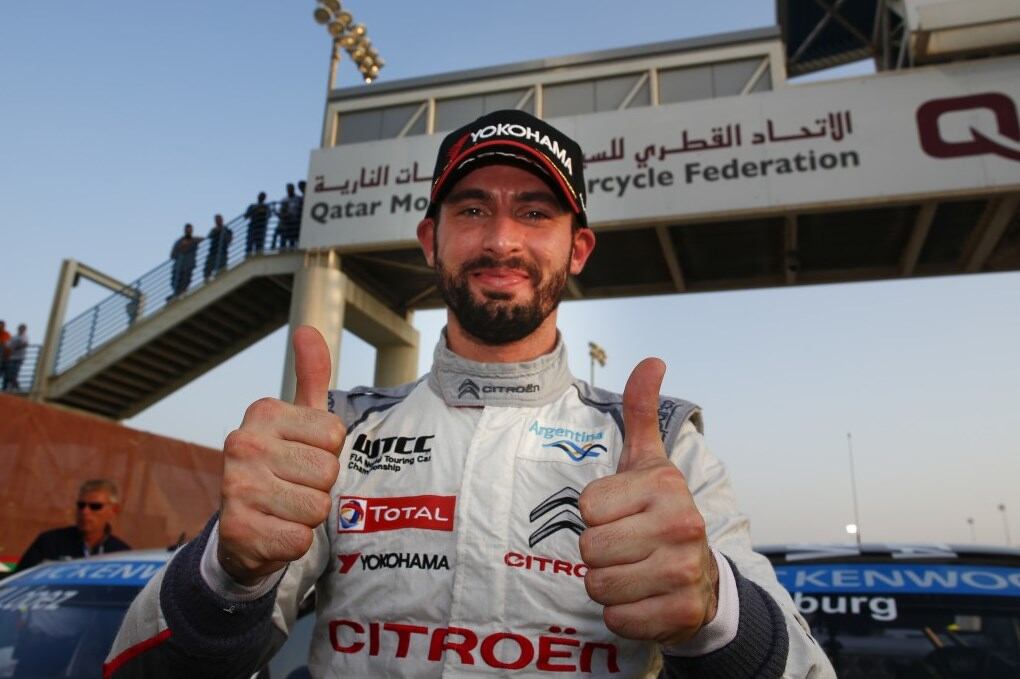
167,486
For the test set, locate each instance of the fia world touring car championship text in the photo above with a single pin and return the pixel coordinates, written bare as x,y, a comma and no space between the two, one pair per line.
619,185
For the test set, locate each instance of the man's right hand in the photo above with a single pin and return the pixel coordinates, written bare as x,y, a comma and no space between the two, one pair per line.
278,470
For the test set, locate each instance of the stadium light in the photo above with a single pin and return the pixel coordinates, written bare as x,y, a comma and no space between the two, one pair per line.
349,36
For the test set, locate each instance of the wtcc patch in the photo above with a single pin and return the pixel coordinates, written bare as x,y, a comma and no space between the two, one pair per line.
371,515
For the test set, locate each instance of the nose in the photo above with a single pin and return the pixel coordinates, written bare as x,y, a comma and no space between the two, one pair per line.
504,235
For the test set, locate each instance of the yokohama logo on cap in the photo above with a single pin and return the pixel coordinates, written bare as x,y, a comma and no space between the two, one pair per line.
372,515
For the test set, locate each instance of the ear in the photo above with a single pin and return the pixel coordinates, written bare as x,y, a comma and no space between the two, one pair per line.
584,244
426,237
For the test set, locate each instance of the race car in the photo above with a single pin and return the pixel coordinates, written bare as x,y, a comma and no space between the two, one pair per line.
908,610
887,610
59,618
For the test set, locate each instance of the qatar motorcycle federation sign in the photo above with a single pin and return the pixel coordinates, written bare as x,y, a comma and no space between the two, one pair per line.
935,131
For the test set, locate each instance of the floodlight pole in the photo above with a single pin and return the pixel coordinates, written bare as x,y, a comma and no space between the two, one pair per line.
344,33
853,487
334,63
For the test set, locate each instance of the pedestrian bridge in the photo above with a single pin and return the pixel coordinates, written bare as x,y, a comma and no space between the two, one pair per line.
142,343
706,170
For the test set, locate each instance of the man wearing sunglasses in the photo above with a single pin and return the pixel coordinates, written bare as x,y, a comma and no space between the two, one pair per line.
97,506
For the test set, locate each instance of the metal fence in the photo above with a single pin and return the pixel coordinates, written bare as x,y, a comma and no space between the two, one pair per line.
18,376
173,280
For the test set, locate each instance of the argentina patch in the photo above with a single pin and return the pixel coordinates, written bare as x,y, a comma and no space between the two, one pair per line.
571,445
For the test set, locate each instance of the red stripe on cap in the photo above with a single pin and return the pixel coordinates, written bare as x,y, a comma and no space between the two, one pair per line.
541,157
133,652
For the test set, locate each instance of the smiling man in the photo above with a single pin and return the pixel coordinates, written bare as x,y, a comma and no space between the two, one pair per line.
497,516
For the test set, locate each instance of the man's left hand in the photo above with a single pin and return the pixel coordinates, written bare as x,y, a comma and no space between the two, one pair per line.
645,545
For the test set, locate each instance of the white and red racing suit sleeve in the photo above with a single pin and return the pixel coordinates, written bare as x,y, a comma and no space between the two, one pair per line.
180,626
771,638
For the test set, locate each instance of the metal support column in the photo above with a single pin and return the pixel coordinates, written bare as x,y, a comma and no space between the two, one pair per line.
396,363
51,343
317,300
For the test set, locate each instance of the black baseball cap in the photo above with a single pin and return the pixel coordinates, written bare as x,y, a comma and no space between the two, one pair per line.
517,138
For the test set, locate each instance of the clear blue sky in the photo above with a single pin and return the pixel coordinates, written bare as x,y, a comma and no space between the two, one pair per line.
120,121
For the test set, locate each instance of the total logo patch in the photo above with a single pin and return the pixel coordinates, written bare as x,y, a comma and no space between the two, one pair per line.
373,562
372,515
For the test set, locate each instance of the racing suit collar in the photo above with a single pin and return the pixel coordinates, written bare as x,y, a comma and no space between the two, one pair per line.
461,382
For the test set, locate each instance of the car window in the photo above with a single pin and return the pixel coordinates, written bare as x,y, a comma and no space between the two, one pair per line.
879,620
55,630
60,619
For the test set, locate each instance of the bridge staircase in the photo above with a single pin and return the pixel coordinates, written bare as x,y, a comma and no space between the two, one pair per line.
143,342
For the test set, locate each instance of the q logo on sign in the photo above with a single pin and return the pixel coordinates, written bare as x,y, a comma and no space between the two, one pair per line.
970,126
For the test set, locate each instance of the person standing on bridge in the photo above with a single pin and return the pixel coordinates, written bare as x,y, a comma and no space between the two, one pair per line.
498,514
257,215
219,239
16,349
97,507
288,227
183,254
5,337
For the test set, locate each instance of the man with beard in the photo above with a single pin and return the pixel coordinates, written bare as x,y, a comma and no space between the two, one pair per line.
498,514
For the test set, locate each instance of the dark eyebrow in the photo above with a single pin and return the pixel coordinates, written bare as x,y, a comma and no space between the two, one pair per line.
544,197
473,193
468,194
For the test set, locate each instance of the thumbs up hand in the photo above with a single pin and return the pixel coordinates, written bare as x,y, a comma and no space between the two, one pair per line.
645,545
278,469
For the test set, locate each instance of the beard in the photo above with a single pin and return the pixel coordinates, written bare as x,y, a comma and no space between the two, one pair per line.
496,319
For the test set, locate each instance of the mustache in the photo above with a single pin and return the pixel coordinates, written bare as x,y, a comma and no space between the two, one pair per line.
490,262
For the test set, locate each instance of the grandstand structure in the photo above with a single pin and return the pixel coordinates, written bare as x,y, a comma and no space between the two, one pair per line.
707,169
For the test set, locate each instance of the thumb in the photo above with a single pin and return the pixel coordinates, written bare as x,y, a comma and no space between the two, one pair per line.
313,367
642,442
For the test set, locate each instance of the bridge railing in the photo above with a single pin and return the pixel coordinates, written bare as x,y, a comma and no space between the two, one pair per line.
171,281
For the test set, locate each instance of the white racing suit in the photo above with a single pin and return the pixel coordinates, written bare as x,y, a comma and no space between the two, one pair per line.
452,547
